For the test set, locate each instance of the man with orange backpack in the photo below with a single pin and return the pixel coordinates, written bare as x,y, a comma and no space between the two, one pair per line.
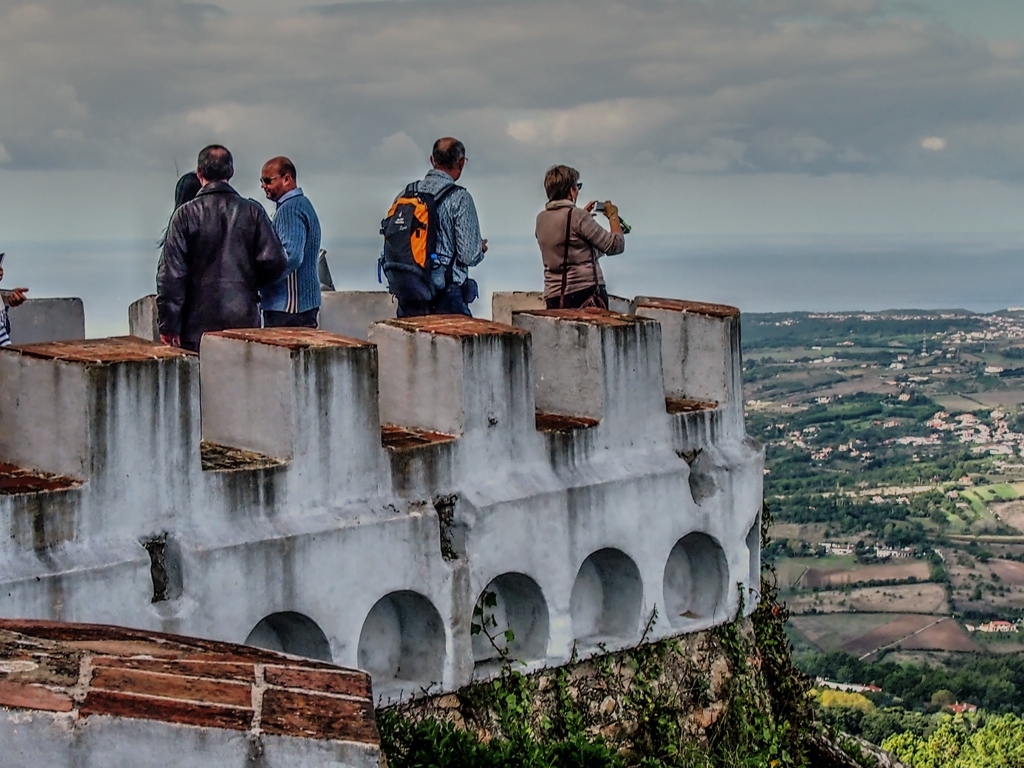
432,238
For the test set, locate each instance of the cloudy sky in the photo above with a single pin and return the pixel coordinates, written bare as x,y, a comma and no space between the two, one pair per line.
698,117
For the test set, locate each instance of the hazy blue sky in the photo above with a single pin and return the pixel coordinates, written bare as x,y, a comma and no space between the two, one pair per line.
726,116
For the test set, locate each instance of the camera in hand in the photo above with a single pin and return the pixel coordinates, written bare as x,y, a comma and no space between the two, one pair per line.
626,229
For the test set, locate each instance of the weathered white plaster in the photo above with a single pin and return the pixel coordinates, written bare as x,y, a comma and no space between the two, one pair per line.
351,313
40,320
699,371
620,304
692,343
248,396
608,371
424,383
376,556
45,412
50,741
503,304
142,318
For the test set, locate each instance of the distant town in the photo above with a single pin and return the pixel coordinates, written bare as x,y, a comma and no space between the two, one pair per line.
894,475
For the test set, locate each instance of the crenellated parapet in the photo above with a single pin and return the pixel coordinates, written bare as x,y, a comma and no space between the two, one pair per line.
354,499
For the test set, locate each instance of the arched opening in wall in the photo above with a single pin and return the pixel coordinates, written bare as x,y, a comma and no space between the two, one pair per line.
510,620
696,575
402,643
606,597
754,550
293,633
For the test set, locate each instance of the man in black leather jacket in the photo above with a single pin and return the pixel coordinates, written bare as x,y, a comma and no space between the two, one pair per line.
219,251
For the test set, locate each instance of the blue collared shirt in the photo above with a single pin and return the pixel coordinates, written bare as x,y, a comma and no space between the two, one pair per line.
298,227
288,196
458,231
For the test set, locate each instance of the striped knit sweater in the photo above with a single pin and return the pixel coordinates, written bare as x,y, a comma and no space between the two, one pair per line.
5,337
297,225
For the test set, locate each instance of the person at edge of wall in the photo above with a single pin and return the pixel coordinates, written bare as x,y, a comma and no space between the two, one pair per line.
294,299
12,298
220,251
571,241
459,244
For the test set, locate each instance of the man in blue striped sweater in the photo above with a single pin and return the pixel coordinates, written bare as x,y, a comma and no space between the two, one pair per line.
294,300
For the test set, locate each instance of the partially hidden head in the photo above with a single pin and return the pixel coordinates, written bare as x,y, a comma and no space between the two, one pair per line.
215,164
278,177
188,187
560,181
449,155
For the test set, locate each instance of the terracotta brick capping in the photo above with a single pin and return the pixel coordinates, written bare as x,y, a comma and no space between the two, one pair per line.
116,349
556,422
92,670
686,405
691,307
403,438
15,480
454,325
292,338
223,458
590,316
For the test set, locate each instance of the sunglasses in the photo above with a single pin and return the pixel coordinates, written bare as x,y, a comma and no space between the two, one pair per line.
269,179
578,185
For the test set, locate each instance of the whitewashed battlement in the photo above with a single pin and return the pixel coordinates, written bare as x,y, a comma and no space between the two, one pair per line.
351,500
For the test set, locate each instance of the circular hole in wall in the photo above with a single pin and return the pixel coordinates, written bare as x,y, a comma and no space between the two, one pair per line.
606,597
702,482
402,640
293,633
512,601
695,579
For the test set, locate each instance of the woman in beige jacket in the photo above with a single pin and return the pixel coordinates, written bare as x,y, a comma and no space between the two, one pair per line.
571,241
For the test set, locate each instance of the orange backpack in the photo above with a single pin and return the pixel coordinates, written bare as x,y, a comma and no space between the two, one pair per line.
409,259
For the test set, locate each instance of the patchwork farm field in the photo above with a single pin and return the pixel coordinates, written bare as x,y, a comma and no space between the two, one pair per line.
946,635
983,587
900,598
791,571
834,632
864,634
1010,513
818,578
1009,571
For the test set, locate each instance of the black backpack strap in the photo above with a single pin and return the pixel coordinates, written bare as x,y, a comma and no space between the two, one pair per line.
438,198
449,270
445,191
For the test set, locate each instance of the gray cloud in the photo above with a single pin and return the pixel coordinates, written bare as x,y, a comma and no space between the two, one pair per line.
730,87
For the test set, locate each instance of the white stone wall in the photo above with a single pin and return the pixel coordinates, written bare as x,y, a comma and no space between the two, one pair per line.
314,537
44,739
47,320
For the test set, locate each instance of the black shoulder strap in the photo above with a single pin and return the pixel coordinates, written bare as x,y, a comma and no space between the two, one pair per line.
565,258
444,192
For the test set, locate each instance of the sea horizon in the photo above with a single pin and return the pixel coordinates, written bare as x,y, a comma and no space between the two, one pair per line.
758,274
